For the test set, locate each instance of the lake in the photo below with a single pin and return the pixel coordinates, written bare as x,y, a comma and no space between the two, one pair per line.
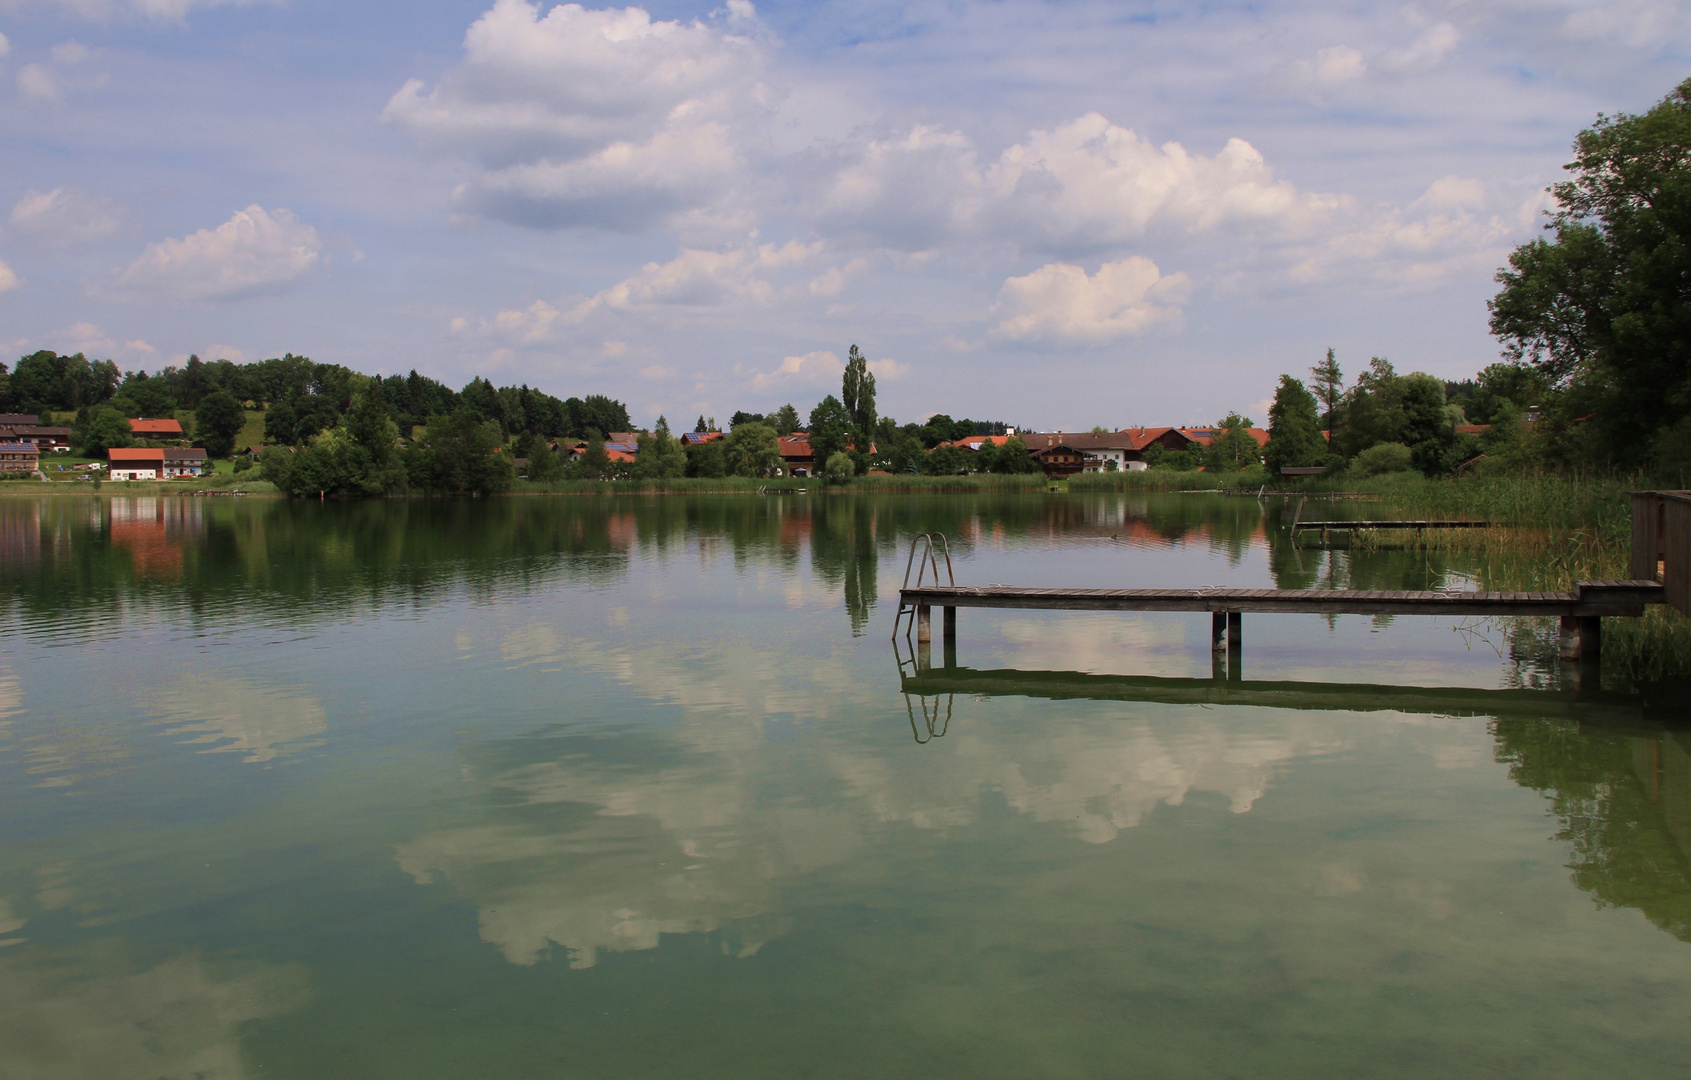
628,787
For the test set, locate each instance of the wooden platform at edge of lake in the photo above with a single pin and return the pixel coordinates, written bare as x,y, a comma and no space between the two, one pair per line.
1589,599
1355,526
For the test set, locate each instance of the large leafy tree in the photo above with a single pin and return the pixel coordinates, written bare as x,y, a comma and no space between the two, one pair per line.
1603,306
660,456
1294,430
830,428
752,450
460,454
217,420
103,429
1234,447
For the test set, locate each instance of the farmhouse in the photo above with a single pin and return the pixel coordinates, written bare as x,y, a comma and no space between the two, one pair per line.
1065,453
56,439
155,429
190,461
128,463
797,458
19,457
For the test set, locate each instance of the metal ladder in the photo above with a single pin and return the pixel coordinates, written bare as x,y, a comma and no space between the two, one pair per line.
929,558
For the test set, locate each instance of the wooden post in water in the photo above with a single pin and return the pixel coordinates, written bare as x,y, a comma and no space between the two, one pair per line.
1580,637
1676,549
1218,631
924,624
1646,535
1590,639
1567,638
948,626
1235,646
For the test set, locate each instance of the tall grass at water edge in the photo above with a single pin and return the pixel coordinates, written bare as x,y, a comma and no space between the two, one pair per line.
731,485
1169,480
1550,531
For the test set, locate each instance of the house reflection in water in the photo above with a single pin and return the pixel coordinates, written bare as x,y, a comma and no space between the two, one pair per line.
20,534
153,529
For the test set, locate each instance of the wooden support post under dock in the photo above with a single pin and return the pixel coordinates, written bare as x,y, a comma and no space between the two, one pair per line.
924,623
1580,637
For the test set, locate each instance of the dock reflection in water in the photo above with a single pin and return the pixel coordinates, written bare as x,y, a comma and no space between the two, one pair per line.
1615,769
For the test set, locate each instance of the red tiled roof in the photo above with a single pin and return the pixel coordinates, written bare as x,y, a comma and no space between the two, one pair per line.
975,442
1206,435
155,427
135,454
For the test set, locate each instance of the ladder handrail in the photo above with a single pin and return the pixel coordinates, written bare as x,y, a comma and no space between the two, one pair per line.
929,557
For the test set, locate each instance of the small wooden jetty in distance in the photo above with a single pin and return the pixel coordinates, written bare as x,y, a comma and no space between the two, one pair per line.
1324,527
1661,565
1356,526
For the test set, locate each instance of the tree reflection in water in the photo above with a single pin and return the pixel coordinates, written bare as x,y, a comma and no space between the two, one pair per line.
1624,802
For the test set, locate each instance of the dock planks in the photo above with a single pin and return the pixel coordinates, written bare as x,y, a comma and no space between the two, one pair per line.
1343,526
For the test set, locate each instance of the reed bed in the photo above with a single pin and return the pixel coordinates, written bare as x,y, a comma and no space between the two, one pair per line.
1168,480
740,485
1550,532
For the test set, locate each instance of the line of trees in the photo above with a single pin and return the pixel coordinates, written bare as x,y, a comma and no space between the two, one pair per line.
1595,323
300,399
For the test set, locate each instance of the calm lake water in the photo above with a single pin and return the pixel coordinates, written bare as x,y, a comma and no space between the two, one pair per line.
628,787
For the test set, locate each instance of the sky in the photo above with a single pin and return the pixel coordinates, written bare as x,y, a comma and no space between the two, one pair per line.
1057,215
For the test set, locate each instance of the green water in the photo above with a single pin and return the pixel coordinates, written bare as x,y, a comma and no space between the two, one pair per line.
606,787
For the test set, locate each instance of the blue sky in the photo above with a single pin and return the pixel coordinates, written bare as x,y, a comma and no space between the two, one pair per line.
1056,214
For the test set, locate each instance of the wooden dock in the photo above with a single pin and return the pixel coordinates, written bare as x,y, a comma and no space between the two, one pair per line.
1357,526
1660,565
1581,611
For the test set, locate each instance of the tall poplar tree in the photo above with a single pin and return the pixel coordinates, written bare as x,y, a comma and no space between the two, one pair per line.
857,394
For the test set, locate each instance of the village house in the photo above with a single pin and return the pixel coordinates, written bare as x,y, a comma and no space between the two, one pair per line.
1204,436
54,439
1065,453
797,458
19,457
17,419
698,438
135,463
974,443
184,462
155,429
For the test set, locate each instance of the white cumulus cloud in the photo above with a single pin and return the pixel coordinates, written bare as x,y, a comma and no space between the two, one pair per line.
254,252
813,367
1086,184
69,217
695,280
1424,52
1338,64
1061,301
8,278
591,118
